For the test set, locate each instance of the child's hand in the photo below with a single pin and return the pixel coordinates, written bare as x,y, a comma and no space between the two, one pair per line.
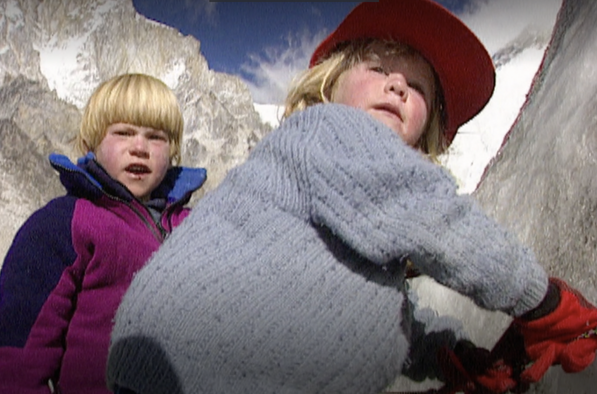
474,370
566,335
510,350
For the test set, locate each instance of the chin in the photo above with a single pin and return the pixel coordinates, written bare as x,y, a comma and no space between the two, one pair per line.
397,130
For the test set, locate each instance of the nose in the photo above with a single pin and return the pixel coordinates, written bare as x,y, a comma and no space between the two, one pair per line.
396,84
139,146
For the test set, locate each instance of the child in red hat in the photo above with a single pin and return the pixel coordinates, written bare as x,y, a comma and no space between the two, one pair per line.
290,276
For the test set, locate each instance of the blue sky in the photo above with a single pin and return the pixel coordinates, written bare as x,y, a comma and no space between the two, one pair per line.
266,43
240,37
230,31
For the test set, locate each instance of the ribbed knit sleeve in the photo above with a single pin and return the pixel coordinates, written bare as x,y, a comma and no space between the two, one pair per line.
387,201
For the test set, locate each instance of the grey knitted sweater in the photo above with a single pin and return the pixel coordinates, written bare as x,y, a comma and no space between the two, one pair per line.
289,277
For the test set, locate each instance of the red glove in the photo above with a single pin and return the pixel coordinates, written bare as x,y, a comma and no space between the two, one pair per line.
566,335
473,370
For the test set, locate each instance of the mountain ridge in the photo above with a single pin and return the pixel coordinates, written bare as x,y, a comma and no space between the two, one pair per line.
58,51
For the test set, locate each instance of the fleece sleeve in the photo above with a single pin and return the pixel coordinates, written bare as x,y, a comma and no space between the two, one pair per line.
387,201
35,263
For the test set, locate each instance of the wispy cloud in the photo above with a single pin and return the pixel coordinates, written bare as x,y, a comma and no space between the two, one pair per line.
316,12
201,10
460,6
268,74
496,22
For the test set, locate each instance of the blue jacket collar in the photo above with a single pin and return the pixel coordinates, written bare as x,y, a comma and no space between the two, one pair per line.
88,179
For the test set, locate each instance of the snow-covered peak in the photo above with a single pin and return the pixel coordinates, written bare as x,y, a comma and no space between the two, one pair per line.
530,37
270,114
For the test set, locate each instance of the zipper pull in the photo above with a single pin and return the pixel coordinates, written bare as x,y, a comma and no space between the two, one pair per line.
54,389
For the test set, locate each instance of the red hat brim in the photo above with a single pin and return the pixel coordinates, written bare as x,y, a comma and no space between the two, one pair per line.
463,66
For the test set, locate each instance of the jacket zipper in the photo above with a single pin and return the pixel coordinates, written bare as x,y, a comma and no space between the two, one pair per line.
151,225
168,214
159,234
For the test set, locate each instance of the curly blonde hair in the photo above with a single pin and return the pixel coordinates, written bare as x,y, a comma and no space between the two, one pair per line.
137,99
316,85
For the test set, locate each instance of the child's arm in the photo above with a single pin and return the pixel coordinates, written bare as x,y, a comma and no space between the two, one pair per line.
34,264
387,201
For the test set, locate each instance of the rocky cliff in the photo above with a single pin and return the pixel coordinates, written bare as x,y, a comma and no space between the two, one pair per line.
53,53
542,183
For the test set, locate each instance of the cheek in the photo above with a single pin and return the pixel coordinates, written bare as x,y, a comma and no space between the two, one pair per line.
420,112
162,156
352,98
106,157
417,122
345,91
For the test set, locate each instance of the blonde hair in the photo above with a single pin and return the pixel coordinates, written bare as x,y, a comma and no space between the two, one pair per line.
316,85
137,99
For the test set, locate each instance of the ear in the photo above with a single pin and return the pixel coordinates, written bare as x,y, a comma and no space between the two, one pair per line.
86,147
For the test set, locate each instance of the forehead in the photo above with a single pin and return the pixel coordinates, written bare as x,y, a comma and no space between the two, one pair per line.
400,56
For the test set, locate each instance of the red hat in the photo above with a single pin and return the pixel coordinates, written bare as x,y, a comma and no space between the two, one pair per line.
464,67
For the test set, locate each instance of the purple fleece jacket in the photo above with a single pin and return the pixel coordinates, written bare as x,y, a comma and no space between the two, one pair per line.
67,270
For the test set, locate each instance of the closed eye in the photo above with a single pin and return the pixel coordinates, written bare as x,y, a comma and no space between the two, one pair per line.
379,69
418,88
159,137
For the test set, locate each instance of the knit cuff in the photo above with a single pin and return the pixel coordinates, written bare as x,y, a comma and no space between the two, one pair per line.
549,304
535,292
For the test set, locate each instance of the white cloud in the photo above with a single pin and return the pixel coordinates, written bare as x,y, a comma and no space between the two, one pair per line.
496,22
270,73
316,12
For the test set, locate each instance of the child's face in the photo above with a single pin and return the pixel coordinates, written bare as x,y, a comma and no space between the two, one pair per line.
137,157
397,90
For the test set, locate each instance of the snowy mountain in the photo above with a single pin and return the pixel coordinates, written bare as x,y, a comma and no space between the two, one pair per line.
479,140
53,53
61,50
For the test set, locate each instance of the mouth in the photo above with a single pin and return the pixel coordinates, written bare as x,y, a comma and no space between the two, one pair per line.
391,109
137,169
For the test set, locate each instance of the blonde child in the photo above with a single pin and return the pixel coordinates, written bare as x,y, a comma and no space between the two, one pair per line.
72,260
290,277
